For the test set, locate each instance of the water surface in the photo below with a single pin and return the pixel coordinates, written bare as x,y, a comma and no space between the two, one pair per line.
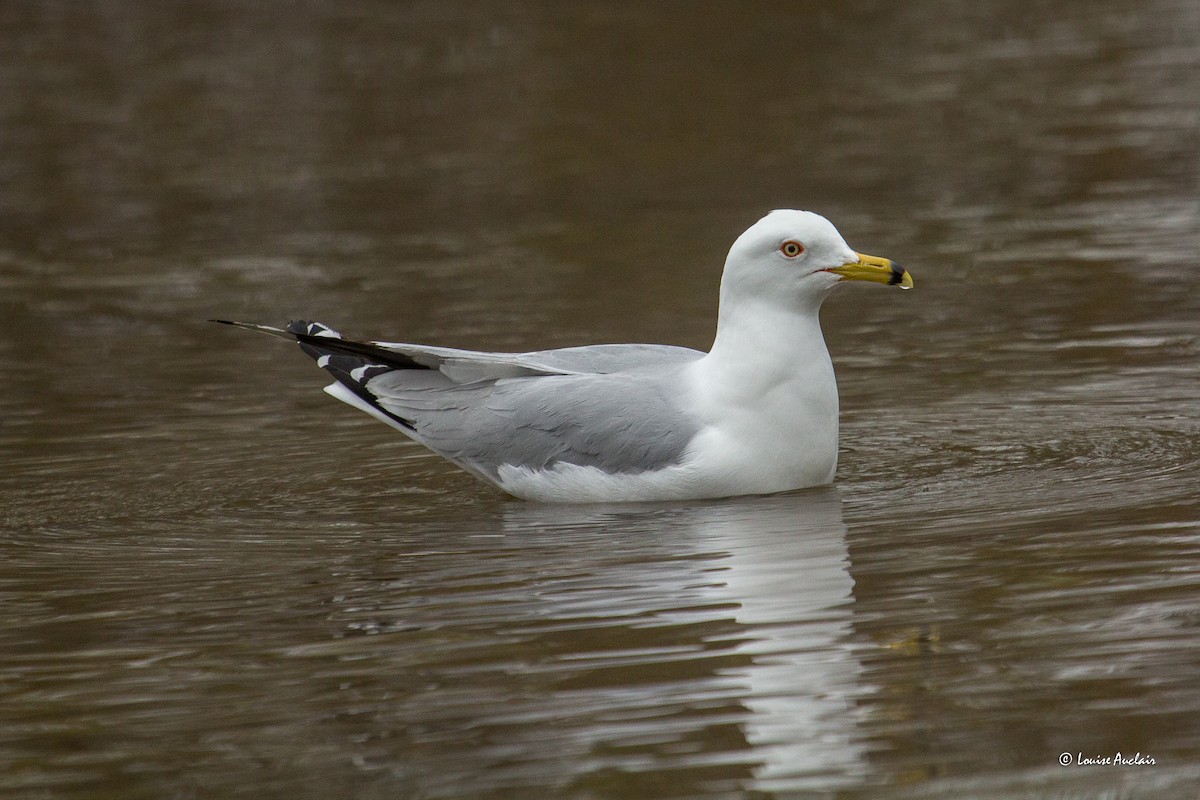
218,582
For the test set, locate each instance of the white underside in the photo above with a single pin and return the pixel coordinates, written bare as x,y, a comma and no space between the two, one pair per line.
571,483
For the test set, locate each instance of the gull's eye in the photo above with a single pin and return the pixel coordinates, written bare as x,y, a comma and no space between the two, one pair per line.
791,248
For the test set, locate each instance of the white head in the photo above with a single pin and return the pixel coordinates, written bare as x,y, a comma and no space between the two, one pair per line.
796,258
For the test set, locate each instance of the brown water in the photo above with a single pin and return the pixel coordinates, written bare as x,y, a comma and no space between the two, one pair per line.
218,582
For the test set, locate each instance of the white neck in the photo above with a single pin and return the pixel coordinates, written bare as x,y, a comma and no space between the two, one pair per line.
764,342
767,395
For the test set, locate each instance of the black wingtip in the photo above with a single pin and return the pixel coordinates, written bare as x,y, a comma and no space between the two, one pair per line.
351,363
251,326
317,339
304,327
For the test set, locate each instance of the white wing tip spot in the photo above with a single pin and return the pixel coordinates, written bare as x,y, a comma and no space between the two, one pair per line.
360,373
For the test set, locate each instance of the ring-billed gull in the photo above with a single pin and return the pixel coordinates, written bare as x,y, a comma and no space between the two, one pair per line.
756,414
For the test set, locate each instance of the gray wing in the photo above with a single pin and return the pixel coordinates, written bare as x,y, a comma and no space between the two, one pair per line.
609,406
627,422
464,366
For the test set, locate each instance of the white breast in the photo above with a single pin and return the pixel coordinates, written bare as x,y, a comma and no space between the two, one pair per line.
767,431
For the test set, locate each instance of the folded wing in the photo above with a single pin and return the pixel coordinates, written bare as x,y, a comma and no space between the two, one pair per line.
586,405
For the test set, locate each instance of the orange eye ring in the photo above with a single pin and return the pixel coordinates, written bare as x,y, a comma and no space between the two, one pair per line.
791,248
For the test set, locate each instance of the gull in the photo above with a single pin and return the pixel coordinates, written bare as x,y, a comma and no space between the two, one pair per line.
756,414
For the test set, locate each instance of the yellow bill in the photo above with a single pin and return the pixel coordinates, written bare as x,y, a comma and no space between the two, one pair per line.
873,268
